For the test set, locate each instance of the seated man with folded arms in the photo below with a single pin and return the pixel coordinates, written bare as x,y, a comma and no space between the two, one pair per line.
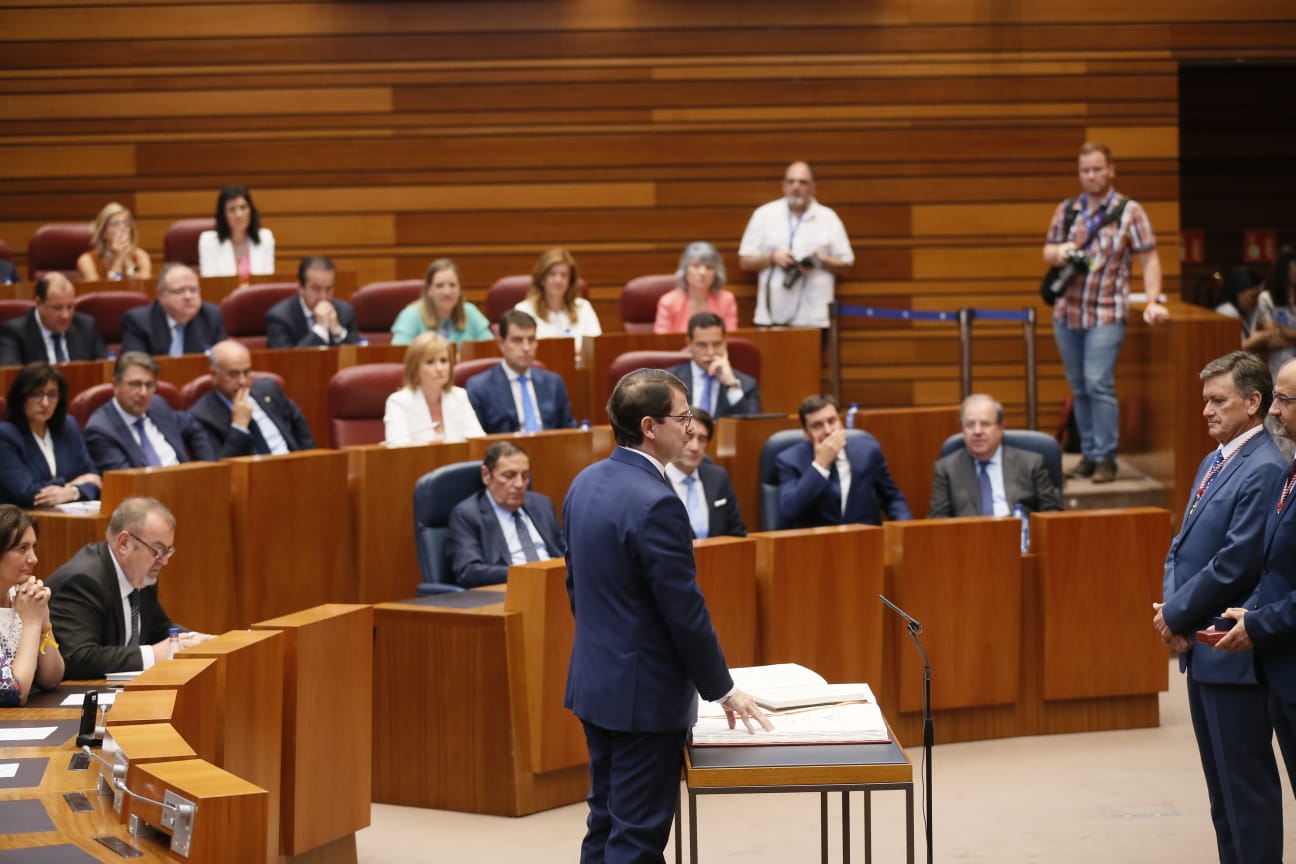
52,332
514,396
243,417
711,382
503,524
829,479
312,318
137,428
704,486
104,604
177,321
987,477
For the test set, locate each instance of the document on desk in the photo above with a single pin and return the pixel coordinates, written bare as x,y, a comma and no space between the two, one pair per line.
106,697
846,723
26,733
8,770
791,685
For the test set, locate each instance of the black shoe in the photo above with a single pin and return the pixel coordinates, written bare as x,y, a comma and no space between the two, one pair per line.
1106,471
1084,468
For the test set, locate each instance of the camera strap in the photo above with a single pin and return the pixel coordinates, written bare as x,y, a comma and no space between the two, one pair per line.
1111,216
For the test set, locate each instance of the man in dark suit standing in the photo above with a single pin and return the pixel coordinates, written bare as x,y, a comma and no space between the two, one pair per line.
644,646
53,332
515,396
137,428
713,384
1269,625
503,524
177,321
1214,563
104,605
817,475
243,416
987,477
313,317
704,486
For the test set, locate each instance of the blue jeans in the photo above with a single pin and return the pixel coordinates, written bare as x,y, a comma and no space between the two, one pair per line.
1089,360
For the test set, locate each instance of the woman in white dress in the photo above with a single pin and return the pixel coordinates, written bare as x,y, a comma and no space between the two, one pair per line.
29,656
554,301
429,407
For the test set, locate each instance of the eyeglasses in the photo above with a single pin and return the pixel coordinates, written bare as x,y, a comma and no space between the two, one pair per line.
158,554
686,418
140,385
1286,400
44,396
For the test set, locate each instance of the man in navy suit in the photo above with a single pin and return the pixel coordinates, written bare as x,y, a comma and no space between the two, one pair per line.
644,646
515,396
53,332
816,474
137,428
177,321
313,317
704,486
503,524
1214,563
245,417
713,384
1269,624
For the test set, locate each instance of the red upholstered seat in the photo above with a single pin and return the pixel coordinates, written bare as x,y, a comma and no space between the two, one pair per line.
198,387
14,308
57,247
357,397
181,241
639,301
245,310
632,360
466,369
744,356
85,403
107,309
508,291
378,303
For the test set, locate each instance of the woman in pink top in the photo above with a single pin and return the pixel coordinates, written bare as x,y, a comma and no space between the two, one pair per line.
701,275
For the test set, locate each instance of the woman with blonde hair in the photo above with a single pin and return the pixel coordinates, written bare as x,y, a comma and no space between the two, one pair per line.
114,251
429,407
441,309
554,301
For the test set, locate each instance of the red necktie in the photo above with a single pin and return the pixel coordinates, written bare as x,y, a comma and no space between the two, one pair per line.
1287,487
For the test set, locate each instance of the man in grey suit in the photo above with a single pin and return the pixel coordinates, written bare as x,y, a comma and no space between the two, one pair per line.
1214,564
987,478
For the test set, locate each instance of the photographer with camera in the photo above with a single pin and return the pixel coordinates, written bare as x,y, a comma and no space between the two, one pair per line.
1092,238
800,247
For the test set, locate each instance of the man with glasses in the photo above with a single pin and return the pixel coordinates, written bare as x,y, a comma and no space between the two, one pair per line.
53,331
137,428
104,605
830,479
644,646
800,248
245,417
177,321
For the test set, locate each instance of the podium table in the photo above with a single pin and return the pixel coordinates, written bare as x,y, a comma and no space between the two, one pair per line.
821,768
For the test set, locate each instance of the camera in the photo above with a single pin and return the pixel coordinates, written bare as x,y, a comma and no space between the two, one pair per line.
1077,264
792,274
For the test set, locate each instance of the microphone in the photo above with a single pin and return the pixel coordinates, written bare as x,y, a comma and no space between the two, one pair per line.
914,627
89,733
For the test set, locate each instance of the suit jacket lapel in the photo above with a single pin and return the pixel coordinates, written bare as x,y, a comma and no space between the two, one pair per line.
35,347
1276,517
161,335
494,549
35,458
126,436
967,488
108,579
167,427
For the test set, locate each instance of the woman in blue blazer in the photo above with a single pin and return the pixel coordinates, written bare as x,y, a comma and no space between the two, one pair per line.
43,458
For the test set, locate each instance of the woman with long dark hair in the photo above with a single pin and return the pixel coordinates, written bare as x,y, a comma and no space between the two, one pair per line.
43,458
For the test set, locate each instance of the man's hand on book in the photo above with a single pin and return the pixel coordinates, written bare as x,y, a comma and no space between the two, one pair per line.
740,706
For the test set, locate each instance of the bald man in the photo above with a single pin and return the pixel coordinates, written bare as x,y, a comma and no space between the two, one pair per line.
51,332
244,417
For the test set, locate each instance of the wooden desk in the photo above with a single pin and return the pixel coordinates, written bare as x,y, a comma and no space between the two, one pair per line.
292,521
911,440
197,690
726,573
381,484
328,727
197,585
816,594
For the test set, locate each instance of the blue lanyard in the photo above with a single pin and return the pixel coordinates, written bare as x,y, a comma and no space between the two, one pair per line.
794,227
1091,222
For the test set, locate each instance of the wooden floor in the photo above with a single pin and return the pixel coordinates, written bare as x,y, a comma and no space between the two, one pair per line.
1130,796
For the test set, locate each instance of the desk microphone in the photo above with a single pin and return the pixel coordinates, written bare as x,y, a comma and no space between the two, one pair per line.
87,734
914,627
929,734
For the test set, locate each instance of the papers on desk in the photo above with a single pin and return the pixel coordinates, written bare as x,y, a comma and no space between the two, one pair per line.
8,770
106,697
81,508
804,708
26,733
124,676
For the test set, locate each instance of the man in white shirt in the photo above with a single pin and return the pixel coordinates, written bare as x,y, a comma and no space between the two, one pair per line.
800,248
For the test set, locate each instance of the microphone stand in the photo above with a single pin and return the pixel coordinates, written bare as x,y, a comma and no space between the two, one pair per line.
929,734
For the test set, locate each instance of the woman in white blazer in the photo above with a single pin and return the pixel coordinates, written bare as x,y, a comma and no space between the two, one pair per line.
239,246
429,407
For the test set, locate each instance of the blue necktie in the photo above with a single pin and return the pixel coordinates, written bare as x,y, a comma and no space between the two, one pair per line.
696,512
146,446
60,353
706,393
987,492
530,420
177,340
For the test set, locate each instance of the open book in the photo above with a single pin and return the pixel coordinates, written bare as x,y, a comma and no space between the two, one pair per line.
803,707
